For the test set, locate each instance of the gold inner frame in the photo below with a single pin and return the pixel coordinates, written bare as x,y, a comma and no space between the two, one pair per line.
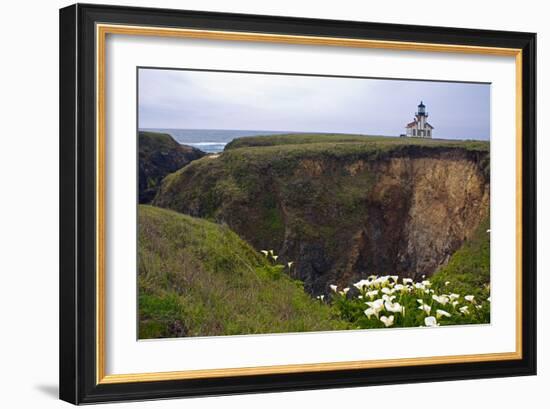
101,33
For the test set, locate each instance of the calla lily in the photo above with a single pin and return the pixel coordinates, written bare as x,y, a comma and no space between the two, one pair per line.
469,298
395,278
454,296
447,282
441,299
393,307
442,313
387,321
387,290
333,287
264,252
464,310
290,263
399,287
369,312
407,281
360,285
372,293
426,308
431,321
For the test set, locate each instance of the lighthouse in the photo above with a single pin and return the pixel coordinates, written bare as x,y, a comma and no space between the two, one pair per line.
419,127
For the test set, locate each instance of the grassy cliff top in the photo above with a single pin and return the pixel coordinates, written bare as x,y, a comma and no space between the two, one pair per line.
328,140
153,141
198,278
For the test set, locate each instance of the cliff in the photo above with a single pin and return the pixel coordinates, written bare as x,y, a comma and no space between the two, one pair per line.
342,207
159,155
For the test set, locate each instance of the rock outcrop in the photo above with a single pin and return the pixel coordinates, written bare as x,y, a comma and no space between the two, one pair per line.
159,155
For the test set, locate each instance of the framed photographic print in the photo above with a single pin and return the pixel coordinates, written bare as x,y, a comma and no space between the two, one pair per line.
257,203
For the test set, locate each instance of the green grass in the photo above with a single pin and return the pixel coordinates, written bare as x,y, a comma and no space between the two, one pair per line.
198,278
373,141
468,270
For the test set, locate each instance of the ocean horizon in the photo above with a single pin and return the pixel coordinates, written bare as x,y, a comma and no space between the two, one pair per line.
212,140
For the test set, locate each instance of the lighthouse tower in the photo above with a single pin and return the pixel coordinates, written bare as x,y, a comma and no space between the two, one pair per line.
419,127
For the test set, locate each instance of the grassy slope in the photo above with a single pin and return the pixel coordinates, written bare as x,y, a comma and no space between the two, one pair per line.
468,270
197,278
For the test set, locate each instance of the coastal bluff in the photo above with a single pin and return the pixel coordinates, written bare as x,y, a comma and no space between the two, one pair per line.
340,207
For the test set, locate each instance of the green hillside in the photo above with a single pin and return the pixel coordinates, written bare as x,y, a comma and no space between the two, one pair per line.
468,270
372,141
197,278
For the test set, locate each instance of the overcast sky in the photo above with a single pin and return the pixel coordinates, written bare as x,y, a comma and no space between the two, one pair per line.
220,100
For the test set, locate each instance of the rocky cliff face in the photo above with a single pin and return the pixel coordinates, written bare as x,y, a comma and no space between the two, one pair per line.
342,211
159,155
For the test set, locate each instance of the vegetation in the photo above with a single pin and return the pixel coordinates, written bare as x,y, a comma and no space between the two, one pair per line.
373,141
458,293
197,278
389,301
468,270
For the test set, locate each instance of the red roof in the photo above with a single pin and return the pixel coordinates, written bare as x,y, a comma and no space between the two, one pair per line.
411,124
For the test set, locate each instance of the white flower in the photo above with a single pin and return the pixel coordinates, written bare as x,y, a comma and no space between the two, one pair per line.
388,322
420,301
407,281
454,296
447,282
372,294
333,287
290,263
387,290
369,312
426,283
264,252
271,252
376,304
360,285
442,313
464,310
387,297
321,297
489,299
430,321
441,299
345,291
275,257
419,286
454,303
399,287
426,308
393,307
423,276
469,298
395,278
479,307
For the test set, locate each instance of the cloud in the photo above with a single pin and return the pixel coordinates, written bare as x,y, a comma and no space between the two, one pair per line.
222,100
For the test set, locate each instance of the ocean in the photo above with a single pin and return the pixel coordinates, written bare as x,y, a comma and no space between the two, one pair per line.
211,140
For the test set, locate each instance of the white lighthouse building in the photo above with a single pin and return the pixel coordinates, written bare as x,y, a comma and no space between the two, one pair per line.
419,127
